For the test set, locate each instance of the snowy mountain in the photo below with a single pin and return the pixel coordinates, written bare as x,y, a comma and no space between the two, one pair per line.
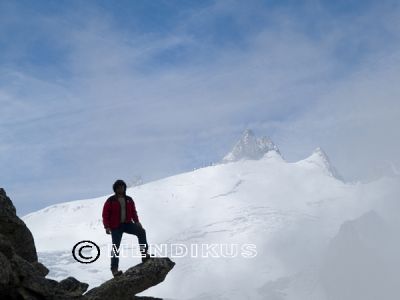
320,158
289,211
250,147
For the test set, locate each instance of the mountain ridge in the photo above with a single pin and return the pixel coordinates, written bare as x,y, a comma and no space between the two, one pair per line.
259,201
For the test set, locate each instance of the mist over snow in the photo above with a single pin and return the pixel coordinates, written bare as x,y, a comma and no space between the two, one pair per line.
316,236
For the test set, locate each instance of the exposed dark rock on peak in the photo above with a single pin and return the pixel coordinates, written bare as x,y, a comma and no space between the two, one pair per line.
250,147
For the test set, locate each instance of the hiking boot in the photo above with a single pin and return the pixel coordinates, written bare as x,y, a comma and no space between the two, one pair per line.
147,257
115,272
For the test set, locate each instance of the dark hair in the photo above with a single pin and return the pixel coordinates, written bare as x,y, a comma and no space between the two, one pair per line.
118,183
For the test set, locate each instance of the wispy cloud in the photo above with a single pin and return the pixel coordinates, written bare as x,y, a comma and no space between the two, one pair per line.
117,101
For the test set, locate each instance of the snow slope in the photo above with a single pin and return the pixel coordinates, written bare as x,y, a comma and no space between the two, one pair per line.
290,211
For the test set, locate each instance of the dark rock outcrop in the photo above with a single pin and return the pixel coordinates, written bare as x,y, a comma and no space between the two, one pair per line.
22,277
15,230
135,280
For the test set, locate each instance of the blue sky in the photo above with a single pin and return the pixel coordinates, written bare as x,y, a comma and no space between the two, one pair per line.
92,91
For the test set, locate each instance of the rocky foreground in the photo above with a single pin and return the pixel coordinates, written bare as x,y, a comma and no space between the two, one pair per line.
22,276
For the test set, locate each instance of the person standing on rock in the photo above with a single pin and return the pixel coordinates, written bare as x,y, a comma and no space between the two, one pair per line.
119,212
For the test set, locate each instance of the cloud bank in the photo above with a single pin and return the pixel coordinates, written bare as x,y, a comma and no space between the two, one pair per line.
91,93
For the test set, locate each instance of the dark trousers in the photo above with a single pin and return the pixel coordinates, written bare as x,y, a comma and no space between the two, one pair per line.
116,235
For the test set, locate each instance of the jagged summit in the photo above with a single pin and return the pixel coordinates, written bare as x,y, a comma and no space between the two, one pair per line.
321,158
250,147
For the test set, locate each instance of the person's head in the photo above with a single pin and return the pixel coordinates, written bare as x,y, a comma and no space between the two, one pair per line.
119,187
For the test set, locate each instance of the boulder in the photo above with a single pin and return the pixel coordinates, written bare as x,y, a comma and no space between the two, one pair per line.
15,230
22,276
135,280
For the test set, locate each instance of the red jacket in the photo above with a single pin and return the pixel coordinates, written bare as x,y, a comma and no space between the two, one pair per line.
112,212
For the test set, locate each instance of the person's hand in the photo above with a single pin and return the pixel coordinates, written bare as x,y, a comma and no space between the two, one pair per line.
108,230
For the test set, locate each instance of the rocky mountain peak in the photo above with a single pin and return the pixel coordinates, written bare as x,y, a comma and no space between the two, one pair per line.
250,147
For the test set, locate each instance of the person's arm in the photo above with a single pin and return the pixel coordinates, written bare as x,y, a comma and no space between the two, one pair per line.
133,212
135,216
107,216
